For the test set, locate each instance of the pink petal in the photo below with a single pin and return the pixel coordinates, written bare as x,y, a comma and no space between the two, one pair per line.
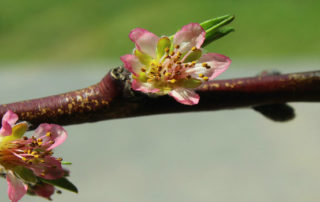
185,96
57,134
51,168
145,41
8,120
44,190
16,188
143,87
218,63
189,36
132,63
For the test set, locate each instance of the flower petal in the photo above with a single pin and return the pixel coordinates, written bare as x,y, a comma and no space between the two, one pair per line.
218,63
143,87
131,63
185,96
145,41
50,169
45,190
189,36
51,132
16,188
8,120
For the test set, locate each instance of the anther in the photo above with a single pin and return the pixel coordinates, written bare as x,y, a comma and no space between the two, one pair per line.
48,134
177,46
143,69
59,159
167,50
200,75
172,81
205,78
25,138
193,48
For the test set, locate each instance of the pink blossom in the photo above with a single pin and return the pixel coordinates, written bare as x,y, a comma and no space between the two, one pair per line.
161,65
24,159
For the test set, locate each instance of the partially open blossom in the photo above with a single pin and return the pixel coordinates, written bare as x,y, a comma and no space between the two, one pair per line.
26,160
161,65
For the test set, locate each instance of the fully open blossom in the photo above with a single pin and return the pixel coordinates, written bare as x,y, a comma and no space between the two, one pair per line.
26,160
161,65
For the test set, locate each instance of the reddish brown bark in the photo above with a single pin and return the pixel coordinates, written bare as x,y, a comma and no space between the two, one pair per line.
112,98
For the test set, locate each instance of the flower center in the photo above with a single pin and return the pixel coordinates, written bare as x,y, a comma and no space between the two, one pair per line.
171,70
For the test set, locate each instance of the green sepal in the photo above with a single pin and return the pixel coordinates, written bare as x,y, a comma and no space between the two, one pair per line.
143,58
191,83
25,174
193,56
163,43
62,183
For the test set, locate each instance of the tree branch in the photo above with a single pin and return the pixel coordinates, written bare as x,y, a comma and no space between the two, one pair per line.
113,98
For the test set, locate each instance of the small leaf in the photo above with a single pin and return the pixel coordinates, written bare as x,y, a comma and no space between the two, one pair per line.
212,36
62,183
65,163
25,174
219,21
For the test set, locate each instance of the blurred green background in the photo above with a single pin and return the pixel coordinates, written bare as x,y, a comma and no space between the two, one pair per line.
96,30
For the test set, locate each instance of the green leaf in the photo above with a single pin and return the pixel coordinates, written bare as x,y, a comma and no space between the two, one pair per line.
65,163
62,183
212,36
25,174
215,29
208,24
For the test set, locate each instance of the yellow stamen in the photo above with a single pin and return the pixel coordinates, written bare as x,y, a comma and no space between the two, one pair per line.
177,46
172,81
167,50
48,134
205,78
193,48
204,64
167,74
200,75
143,69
